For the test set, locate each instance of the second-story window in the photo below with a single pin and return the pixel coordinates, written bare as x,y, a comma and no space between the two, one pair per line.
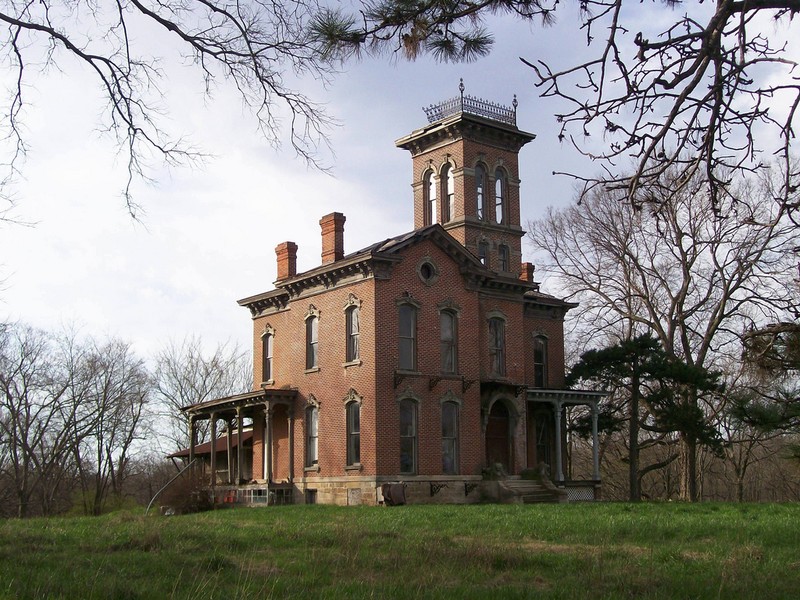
312,341
352,324
540,361
266,356
429,184
407,338
497,346
500,196
448,341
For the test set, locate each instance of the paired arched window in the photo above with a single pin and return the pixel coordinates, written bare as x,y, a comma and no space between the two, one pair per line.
480,191
312,435
448,194
540,361
429,186
448,341
497,346
500,191
407,337
408,436
450,438
267,341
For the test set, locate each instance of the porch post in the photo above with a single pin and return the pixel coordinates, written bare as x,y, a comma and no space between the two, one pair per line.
559,470
595,445
290,415
267,444
229,425
192,437
239,449
213,449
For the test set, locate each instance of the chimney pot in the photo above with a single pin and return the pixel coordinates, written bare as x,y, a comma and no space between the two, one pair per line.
527,272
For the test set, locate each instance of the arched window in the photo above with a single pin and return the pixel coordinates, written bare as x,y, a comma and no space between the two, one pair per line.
448,195
448,342
312,435
503,255
450,438
408,437
312,341
353,410
500,195
407,337
497,346
266,356
429,183
540,361
353,327
483,253
480,191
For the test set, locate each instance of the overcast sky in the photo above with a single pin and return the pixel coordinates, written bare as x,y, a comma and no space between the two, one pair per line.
207,235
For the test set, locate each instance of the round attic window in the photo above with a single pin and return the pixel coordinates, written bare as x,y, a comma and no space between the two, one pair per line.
427,272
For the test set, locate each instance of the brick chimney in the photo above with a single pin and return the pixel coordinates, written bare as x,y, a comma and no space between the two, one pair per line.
287,260
332,237
527,272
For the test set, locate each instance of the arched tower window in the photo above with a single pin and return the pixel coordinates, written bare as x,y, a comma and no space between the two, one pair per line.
429,182
500,189
480,191
448,193
503,256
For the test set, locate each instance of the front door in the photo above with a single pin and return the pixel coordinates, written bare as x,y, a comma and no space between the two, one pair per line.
498,437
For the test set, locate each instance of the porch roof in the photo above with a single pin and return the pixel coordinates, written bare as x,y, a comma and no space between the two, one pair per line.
584,397
246,400
222,445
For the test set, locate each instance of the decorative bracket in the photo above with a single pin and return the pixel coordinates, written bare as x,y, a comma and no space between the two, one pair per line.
433,381
465,384
398,379
469,488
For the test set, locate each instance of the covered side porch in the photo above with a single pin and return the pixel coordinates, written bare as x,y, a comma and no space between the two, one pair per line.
252,457
546,429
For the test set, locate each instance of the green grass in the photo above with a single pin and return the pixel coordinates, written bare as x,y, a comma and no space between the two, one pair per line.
542,551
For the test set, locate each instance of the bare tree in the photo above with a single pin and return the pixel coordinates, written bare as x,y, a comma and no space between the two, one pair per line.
255,46
708,96
694,281
186,374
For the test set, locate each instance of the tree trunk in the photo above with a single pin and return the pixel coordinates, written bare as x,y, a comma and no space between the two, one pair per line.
688,489
633,439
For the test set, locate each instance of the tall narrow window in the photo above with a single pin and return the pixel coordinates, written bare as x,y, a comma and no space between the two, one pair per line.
429,183
352,325
497,345
540,362
499,195
480,190
312,342
448,342
407,339
448,197
450,438
353,410
503,258
266,357
408,437
483,253
312,436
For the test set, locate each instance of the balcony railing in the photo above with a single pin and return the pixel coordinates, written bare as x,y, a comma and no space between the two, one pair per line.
473,106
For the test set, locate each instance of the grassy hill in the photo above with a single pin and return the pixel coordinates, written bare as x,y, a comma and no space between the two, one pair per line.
598,550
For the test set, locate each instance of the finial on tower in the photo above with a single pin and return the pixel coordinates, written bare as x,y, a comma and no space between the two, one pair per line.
461,87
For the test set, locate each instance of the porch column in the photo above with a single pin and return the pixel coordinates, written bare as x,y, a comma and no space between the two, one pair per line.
290,416
559,470
239,448
595,445
192,438
213,449
267,444
229,425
